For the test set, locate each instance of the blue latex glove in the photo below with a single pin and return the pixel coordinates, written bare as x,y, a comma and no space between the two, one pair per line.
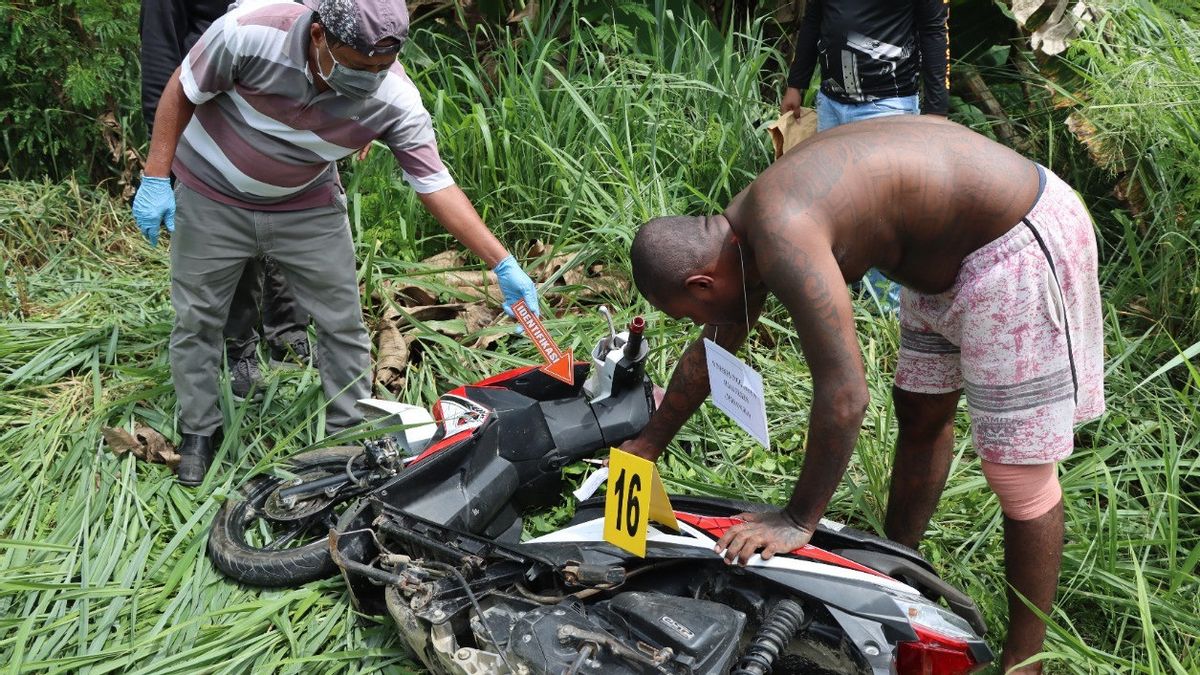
153,205
516,285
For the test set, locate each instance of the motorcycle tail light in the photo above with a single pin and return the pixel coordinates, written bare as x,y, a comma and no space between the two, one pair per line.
934,654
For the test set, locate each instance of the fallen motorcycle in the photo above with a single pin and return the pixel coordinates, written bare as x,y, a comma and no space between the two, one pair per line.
489,451
425,523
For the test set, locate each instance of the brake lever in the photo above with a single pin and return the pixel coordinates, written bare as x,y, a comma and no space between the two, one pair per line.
611,343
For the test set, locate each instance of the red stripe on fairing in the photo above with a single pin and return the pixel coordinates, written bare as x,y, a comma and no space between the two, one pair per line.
461,392
506,375
495,379
716,528
443,444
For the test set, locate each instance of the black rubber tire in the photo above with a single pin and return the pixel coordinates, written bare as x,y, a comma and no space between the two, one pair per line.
273,568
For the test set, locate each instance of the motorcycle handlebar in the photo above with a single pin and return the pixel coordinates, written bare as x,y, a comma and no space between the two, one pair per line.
633,346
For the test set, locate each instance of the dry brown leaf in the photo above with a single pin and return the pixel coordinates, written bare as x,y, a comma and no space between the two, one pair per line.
478,316
548,268
1064,23
392,315
572,277
528,14
476,285
1102,153
415,295
1129,190
1023,9
446,312
606,285
1053,36
121,152
491,294
788,11
144,443
486,342
446,259
120,441
392,357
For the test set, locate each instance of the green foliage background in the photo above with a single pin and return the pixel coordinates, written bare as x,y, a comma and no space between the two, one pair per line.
64,65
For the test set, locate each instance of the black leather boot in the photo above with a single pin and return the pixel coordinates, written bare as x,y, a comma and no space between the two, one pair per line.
195,456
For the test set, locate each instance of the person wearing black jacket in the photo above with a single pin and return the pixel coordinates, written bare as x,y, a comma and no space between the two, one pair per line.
169,29
870,52
873,55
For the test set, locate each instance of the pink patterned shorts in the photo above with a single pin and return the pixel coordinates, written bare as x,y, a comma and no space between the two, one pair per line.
1021,331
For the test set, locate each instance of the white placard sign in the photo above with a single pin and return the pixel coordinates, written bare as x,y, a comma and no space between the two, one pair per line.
591,484
738,391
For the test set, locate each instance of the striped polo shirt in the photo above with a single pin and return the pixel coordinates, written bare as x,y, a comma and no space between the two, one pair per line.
263,137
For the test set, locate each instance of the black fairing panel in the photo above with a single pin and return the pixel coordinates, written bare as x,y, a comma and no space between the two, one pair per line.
535,641
465,486
541,387
623,417
698,630
852,597
574,428
522,434
697,633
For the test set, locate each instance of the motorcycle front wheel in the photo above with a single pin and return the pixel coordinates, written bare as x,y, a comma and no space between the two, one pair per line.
251,546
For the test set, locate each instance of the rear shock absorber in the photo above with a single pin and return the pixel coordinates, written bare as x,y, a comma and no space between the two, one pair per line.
780,626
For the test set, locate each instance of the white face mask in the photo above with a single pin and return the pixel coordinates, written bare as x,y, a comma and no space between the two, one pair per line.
350,82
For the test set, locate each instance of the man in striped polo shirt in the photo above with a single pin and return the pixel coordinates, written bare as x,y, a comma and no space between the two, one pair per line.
252,123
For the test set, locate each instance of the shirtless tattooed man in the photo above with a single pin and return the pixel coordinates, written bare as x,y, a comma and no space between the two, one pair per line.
998,261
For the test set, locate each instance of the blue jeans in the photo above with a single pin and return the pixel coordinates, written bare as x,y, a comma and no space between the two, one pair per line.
831,113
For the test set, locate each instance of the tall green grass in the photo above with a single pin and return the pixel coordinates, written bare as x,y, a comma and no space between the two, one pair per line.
1137,80
573,131
574,139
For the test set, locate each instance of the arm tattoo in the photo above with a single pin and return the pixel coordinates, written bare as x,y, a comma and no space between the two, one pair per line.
814,294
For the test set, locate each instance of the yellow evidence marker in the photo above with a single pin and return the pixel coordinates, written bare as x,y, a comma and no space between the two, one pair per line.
635,497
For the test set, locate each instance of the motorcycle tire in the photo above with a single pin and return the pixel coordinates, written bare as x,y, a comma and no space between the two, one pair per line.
230,551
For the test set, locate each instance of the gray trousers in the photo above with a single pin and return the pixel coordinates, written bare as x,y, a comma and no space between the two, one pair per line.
211,245
262,299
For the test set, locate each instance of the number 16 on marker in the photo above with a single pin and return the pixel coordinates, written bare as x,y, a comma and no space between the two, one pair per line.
635,496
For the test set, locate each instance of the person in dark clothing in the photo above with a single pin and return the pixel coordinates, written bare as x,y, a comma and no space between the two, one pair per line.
169,29
873,54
